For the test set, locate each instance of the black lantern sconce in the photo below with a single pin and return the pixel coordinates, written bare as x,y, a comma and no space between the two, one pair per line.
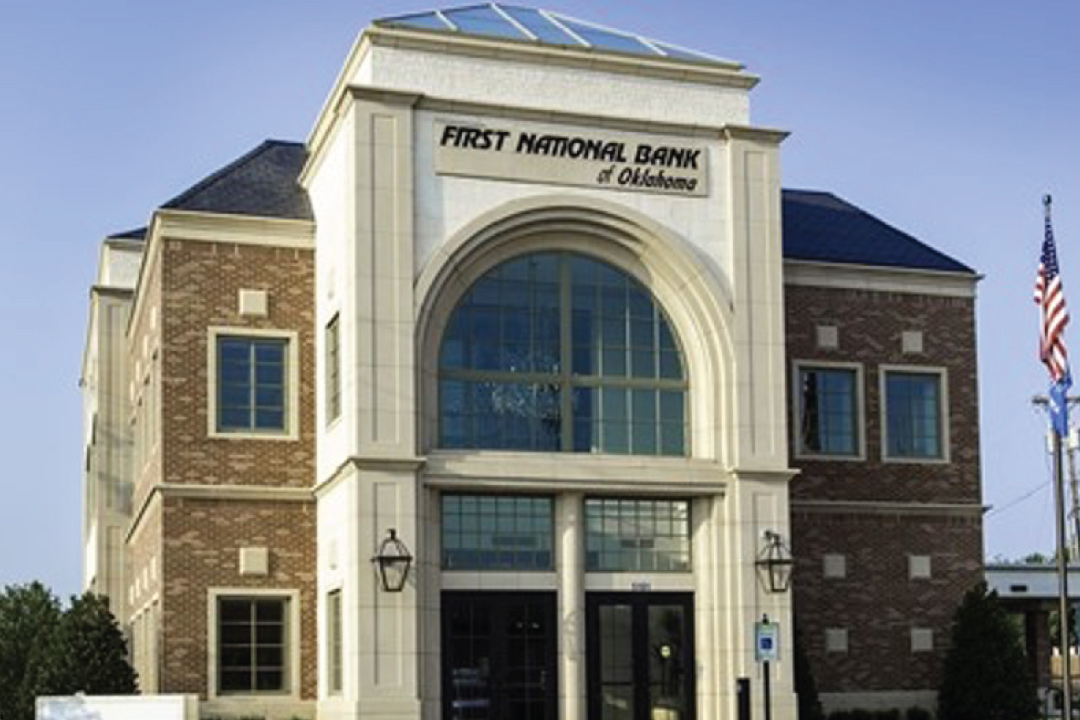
394,561
775,564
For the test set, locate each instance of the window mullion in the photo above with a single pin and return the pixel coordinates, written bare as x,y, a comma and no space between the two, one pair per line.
254,638
566,400
252,375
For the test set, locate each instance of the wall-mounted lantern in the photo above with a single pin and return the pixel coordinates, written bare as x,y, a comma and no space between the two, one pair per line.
394,561
775,563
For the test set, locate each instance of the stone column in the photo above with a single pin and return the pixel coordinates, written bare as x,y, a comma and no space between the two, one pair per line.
569,565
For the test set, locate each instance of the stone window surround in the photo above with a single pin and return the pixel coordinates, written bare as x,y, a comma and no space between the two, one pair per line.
943,412
292,653
860,409
292,381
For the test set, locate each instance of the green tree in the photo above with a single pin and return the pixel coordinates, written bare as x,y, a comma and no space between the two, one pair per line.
986,674
87,651
28,616
48,651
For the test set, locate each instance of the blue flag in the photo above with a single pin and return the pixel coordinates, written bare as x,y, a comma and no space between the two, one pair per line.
1059,407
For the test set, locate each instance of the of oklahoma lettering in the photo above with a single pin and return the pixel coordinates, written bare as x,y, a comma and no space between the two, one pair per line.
618,162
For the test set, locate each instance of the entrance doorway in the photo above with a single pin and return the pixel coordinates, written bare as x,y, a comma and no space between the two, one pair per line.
640,656
499,651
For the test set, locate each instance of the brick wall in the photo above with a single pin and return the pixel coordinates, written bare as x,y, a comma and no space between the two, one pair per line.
202,540
877,602
201,284
196,286
870,325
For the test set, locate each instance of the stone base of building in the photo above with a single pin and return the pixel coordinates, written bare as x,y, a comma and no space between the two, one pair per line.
283,709
883,700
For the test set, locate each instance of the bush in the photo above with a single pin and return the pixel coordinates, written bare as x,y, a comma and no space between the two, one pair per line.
918,713
986,673
46,651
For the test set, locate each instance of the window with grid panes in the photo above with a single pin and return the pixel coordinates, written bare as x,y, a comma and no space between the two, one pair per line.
828,411
251,389
252,645
497,532
914,415
561,352
637,535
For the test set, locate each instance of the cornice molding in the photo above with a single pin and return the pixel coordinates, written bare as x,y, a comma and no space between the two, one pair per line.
354,464
240,493
236,229
915,281
852,507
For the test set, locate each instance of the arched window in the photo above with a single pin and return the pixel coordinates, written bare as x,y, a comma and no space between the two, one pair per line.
557,351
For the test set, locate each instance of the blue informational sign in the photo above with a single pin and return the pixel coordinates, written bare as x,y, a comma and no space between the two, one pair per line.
766,642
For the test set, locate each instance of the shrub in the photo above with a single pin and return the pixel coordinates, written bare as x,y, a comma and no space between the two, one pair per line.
986,674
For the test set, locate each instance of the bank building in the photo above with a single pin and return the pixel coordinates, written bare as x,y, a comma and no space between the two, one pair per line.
516,390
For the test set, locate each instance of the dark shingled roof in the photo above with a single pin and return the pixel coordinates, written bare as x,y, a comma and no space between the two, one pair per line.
818,226
264,182
136,234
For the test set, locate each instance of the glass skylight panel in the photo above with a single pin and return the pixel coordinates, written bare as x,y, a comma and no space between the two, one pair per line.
483,20
680,54
538,25
607,40
420,21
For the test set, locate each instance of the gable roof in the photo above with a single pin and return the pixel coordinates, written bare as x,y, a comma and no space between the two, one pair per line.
817,226
500,21
263,182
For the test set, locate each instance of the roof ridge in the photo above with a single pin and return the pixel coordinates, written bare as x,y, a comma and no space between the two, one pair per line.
218,174
138,233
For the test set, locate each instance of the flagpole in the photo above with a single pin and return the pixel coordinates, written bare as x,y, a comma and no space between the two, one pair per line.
1059,502
1063,579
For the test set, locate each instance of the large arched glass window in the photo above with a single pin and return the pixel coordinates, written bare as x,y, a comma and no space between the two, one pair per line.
557,351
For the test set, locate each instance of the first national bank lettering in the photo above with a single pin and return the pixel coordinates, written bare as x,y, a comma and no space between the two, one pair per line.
615,162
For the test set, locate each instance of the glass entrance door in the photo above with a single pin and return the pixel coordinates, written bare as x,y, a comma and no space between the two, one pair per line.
640,656
498,654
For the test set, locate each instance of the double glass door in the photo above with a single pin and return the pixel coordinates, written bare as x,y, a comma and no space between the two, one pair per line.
499,653
640,656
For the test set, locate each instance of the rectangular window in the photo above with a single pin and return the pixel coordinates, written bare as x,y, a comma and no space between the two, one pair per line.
497,532
828,411
624,535
252,646
333,370
251,386
334,648
914,415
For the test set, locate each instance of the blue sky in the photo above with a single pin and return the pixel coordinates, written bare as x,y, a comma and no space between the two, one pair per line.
949,120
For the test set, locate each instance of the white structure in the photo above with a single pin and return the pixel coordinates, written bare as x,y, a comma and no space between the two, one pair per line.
106,425
447,165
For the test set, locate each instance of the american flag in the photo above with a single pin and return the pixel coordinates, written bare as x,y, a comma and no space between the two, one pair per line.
1050,298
